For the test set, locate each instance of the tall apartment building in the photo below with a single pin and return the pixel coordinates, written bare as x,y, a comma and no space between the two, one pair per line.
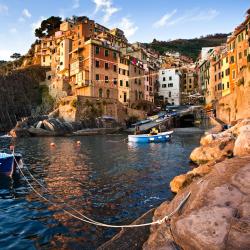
170,82
124,82
94,70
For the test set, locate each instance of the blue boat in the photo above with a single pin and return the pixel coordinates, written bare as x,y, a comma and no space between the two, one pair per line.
8,164
147,138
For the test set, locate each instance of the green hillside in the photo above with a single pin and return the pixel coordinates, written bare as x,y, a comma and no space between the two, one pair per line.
188,47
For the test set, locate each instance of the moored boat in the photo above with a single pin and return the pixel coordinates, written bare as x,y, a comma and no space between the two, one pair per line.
8,163
147,138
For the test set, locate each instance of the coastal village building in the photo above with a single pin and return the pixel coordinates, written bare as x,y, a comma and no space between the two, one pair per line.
170,82
225,71
124,81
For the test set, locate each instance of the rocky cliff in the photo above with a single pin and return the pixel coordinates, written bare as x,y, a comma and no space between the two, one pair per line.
216,214
19,95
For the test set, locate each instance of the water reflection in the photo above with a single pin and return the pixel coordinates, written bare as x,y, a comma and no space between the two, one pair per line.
104,178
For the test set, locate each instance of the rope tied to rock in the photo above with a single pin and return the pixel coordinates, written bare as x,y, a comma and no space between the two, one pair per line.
88,220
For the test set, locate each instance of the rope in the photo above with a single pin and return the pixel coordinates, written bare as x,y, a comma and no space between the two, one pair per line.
96,223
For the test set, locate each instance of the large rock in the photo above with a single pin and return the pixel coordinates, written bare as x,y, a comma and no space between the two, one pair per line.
216,215
19,132
183,180
242,143
40,132
217,150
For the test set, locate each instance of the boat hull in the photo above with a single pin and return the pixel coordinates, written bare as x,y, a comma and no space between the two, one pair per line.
161,137
6,164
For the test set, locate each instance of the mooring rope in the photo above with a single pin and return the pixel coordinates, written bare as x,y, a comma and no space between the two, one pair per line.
96,223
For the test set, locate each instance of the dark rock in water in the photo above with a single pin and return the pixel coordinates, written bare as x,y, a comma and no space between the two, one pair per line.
48,126
40,132
19,132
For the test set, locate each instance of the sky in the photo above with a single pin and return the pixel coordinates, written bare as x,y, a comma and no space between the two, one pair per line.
141,20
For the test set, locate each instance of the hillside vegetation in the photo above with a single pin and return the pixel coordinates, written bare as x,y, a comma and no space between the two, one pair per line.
188,47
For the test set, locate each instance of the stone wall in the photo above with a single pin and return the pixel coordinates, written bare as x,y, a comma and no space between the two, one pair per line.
19,95
82,107
236,105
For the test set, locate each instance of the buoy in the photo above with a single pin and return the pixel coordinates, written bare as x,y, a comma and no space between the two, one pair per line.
52,144
78,143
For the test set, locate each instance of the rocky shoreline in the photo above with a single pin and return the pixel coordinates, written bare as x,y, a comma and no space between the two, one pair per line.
49,126
216,215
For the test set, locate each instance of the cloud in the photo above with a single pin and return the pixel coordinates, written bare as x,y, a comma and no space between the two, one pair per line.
26,13
162,22
13,30
76,4
193,15
107,7
127,26
4,9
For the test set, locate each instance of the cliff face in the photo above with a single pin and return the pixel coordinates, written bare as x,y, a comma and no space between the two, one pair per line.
19,95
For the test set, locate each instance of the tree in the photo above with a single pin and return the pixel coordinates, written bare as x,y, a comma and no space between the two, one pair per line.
48,27
15,56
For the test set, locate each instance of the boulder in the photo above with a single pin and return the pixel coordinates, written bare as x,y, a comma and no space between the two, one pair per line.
236,129
183,180
242,143
48,126
19,132
217,150
40,132
215,216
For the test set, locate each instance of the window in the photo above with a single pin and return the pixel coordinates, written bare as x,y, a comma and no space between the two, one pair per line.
139,72
226,59
135,69
233,74
97,50
169,94
164,86
223,86
139,81
128,73
245,52
170,78
100,92
119,70
115,68
219,76
97,77
121,83
97,64
232,59
124,72
106,65
164,79
44,59
135,81
170,85
106,52
227,72
163,72
127,85
108,93
190,80
222,74
114,54
240,55
228,85
190,86
215,77
115,81
106,79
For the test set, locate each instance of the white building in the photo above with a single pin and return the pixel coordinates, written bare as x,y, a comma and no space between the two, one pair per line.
170,81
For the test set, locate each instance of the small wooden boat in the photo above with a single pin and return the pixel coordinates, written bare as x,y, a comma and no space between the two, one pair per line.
8,163
147,138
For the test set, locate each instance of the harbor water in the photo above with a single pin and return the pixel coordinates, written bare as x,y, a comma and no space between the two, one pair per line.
104,178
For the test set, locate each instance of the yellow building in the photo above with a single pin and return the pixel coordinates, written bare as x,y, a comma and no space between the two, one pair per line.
123,80
225,72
